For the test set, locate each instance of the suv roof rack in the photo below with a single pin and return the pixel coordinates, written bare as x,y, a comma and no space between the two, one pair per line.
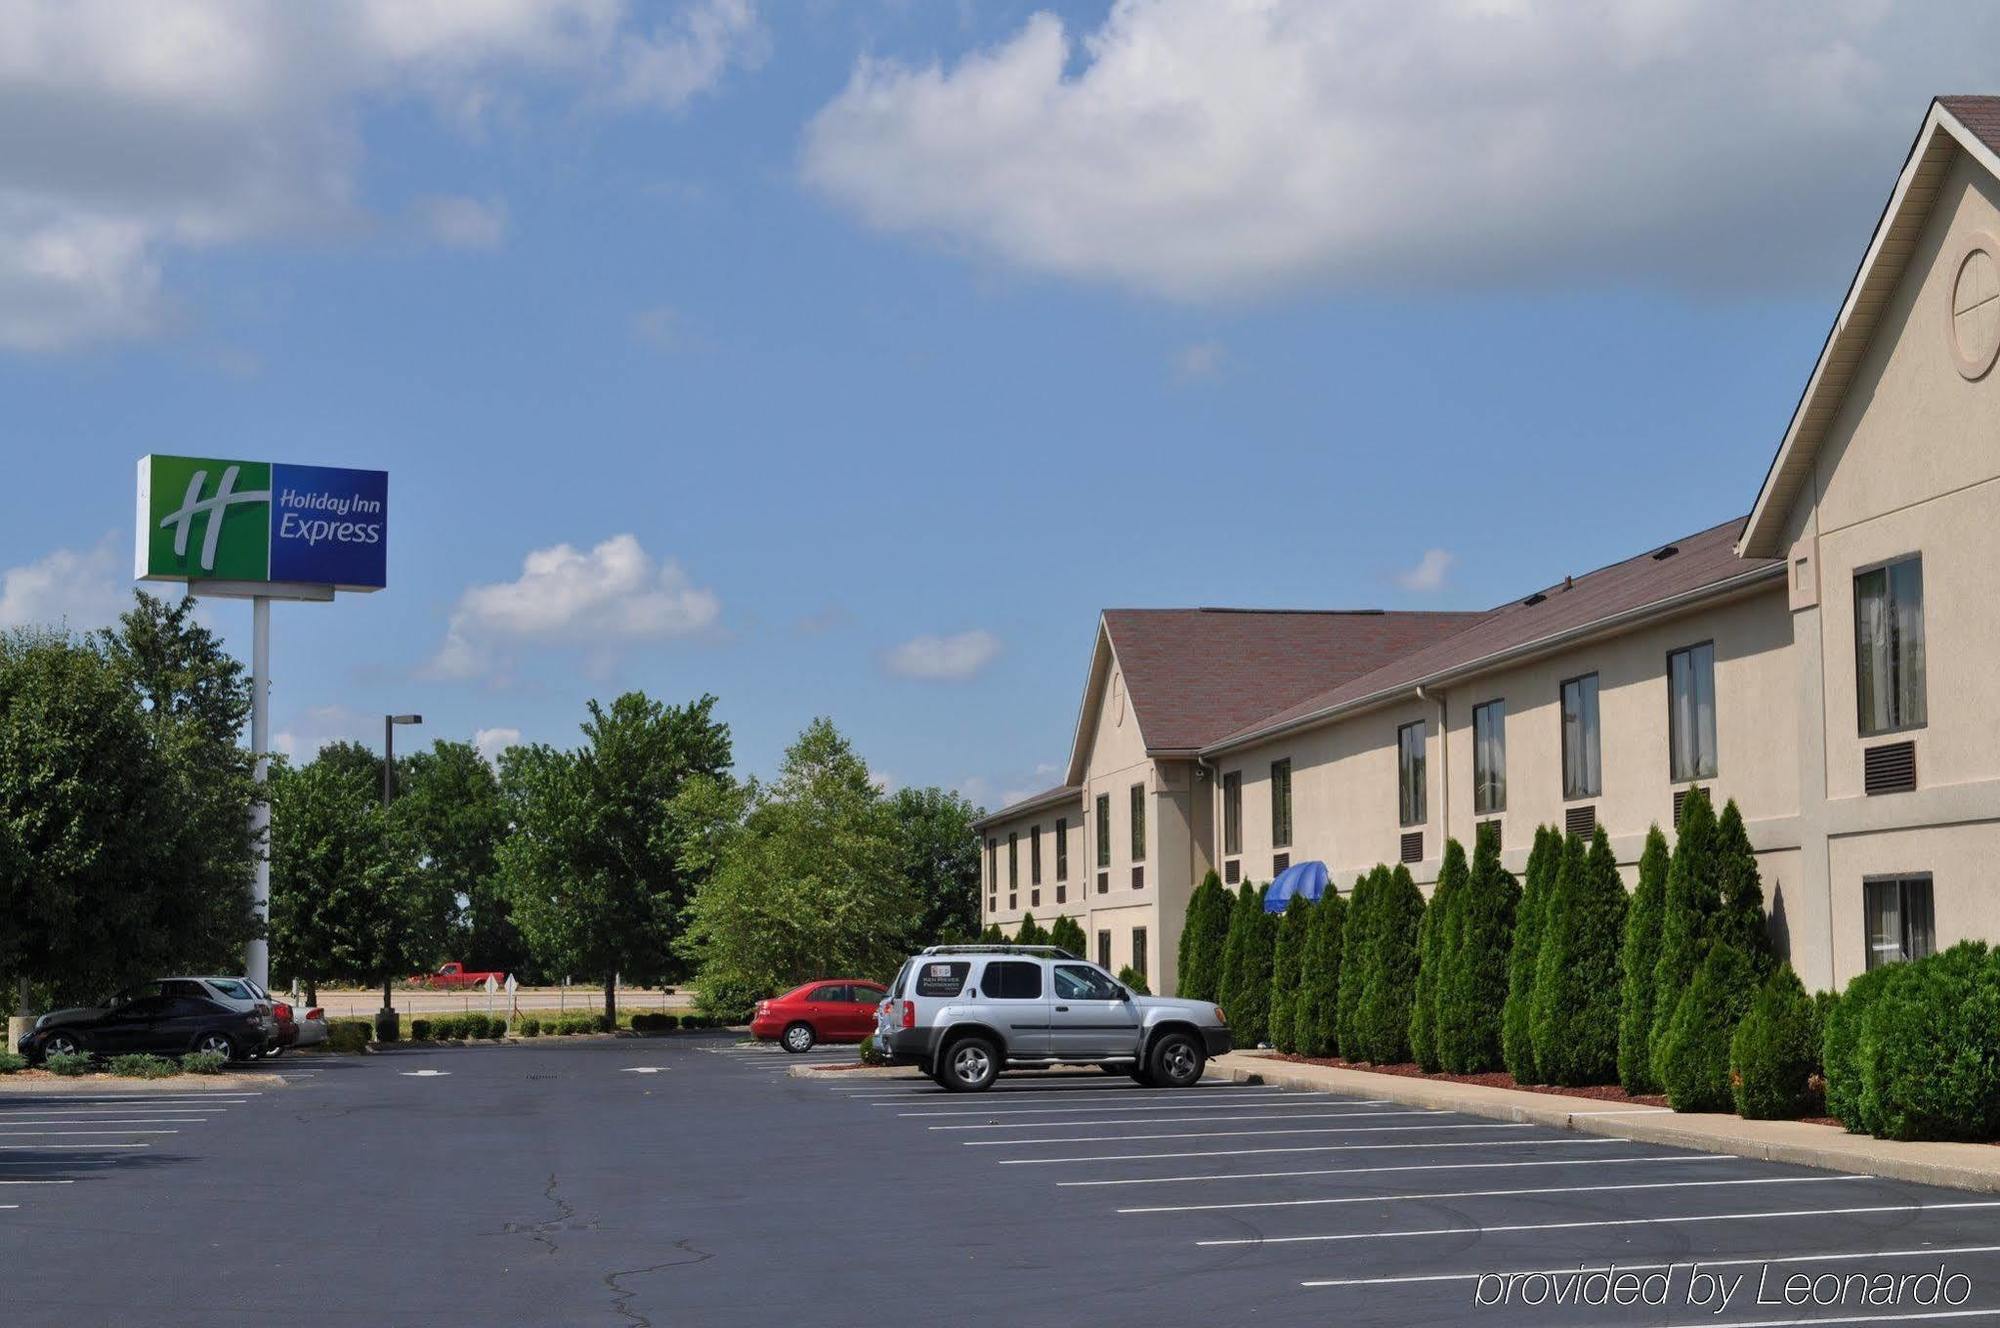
1044,951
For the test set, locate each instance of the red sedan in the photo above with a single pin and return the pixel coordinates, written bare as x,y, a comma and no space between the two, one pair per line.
829,1010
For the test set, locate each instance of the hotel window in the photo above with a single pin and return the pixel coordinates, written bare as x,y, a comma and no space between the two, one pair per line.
1232,812
1138,823
1410,773
1489,758
1889,646
1034,855
1583,773
1062,848
1691,712
1013,860
1139,950
1281,804
1104,829
1900,920
1104,949
992,864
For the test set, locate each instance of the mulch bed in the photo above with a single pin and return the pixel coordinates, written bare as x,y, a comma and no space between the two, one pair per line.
1492,1079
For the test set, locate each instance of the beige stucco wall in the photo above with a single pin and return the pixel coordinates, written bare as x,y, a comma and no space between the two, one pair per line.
1027,826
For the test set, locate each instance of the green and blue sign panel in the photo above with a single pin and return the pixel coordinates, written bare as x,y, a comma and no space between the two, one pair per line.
203,519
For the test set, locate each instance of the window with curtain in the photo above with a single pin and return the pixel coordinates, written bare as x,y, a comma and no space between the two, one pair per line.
1691,712
1889,646
1139,950
1281,803
1062,848
1410,772
1489,758
1583,775
1034,855
1138,823
1232,812
1104,829
992,864
1901,926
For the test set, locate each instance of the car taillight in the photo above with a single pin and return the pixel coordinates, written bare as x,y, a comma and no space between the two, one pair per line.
316,1013
909,1014
1220,1018
282,1010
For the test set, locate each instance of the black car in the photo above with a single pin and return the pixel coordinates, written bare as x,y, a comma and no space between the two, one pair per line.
171,1017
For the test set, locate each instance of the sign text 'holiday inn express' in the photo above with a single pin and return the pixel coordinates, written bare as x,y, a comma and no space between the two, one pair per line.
262,521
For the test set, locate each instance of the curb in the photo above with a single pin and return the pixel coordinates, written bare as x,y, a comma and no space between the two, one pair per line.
106,1085
868,1072
1958,1166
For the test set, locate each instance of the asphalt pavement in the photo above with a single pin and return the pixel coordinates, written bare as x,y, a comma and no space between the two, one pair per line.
689,1181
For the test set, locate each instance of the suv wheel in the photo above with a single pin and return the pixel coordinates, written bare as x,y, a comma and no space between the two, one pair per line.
1176,1061
798,1037
1141,1076
971,1065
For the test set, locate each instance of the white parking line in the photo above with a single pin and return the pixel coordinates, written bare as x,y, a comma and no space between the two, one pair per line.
1305,1148
1864,1318
111,1120
37,1182
1278,1100
28,1104
1929,1252
73,1134
1600,1222
62,1148
1488,1194
1172,1097
1186,1120
1369,1171
1237,1134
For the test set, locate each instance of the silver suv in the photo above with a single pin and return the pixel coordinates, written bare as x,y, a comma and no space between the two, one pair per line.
963,1013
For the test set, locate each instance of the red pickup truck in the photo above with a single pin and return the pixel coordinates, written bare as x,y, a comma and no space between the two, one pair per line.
454,974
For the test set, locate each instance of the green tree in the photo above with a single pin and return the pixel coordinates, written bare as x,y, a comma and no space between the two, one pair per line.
1390,983
1470,1005
1031,932
1694,897
595,865
1517,1017
1437,952
449,798
1203,938
1357,942
940,861
1693,1056
358,760
1637,962
992,935
1574,1020
1774,1053
1319,976
1246,967
1740,917
1065,932
1287,954
803,890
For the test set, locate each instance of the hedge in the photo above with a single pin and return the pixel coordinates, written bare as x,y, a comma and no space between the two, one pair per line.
1693,1056
1574,1015
143,1066
1840,1044
1069,936
69,1064
204,1062
1390,969
1287,952
1641,954
1930,1048
1437,954
349,1035
528,1026
1205,934
420,1030
1319,977
1693,899
12,1061
1031,932
1134,979
1246,967
1356,940
1517,1043
1739,919
1774,1054
1474,992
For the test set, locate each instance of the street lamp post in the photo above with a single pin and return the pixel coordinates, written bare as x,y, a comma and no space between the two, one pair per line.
385,1018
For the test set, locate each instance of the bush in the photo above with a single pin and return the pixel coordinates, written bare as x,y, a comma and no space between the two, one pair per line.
872,1054
1774,1054
1031,932
1574,1017
420,1030
204,1062
1319,976
1286,951
1389,978
1135,980
693,1021
1069,936
1693,1056
1739,920
1470,1001
1693,898
1840,1044
496,1027
575,1022
1437,952
349,1035
1246,967
1198,977
1517,1043
1930,1048
1636,964
143,1066
68,1063
1357,939
11,1061
528,1026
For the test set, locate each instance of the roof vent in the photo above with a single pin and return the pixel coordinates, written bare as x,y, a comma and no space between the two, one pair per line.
1534,599
1569,583
1665,552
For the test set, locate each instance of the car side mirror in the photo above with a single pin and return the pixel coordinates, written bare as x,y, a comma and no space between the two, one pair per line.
1124,993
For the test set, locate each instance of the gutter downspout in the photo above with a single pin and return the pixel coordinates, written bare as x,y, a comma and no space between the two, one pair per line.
1214,774
1444,761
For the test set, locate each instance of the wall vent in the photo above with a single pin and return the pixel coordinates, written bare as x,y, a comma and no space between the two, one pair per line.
1581,821
1890,768
1680,803
1279,862
1103,882
1062,894
1232,871
1413,846
1034,899
1138,878
1497,828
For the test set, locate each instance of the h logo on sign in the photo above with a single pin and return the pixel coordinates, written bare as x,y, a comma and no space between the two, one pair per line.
193,505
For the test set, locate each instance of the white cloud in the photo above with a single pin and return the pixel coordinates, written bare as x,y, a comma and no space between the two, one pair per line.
80,589
947,658
316,726
1202,359
462,223
609,595
139,131
492,742
1429,574
1223,148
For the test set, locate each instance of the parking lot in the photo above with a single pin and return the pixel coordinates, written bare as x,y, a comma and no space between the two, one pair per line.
688,1180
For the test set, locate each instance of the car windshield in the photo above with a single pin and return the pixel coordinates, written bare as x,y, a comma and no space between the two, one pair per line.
232,988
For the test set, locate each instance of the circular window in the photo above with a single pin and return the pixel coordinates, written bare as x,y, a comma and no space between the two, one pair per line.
1974,334
1118,700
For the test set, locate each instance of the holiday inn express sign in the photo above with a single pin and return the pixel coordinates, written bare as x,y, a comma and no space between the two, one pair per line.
262,522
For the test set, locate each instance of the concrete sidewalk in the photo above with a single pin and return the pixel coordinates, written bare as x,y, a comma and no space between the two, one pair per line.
1962,1166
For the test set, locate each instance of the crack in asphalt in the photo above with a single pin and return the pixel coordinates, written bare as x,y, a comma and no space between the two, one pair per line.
564,1220
622,1297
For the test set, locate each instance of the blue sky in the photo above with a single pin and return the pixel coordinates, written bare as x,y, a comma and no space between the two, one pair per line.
859,353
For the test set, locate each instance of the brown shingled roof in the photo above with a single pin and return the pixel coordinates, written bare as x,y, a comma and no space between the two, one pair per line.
1979,114
1704,561
1048,797
1195,675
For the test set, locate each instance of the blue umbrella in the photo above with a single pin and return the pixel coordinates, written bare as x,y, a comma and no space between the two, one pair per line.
1307,880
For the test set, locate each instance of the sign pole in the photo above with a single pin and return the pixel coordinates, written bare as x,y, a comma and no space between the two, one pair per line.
257,960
